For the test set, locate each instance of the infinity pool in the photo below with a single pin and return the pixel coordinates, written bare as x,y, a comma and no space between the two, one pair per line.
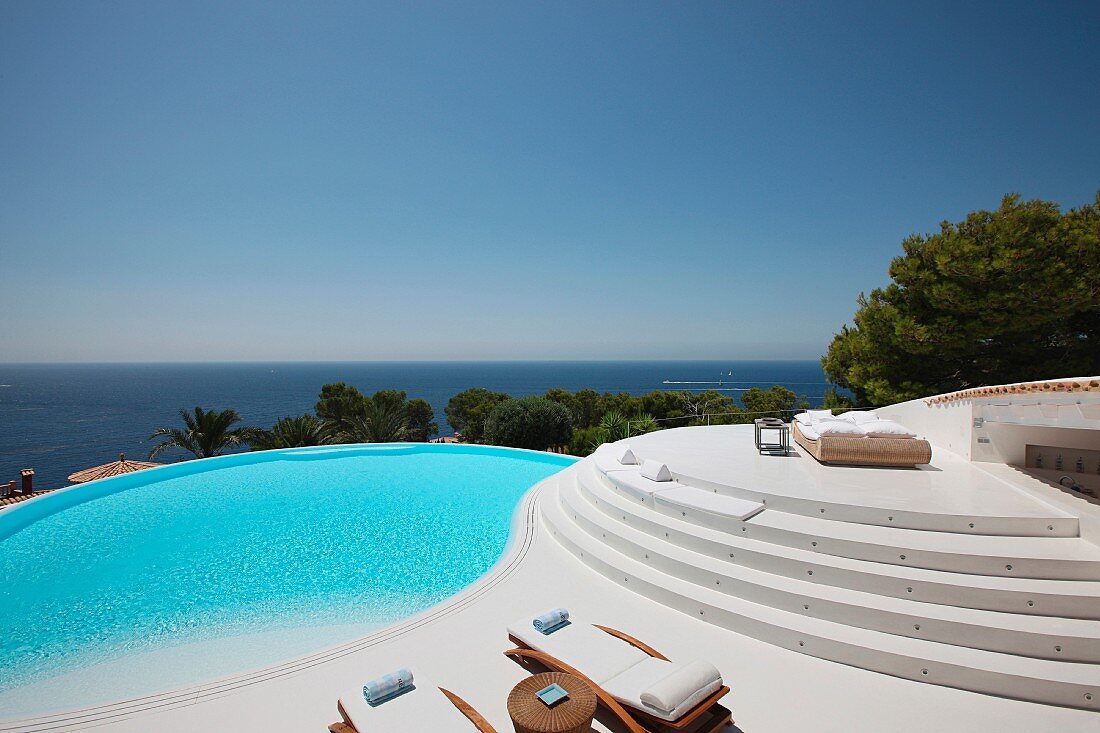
340,537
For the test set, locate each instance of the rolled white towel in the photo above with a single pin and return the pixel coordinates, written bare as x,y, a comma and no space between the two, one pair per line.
383,688
550,620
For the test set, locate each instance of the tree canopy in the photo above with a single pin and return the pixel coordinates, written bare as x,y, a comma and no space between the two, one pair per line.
467,411
536,423
1003,296
386,416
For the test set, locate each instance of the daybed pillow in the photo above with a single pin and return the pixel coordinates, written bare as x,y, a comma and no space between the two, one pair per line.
861,418
808,431
804,418
816,415
886,429
838,428
695,679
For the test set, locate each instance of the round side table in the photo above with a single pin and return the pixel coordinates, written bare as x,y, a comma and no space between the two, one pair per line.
572,715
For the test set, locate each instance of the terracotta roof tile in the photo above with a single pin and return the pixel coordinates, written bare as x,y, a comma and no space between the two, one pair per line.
1091,384
107,470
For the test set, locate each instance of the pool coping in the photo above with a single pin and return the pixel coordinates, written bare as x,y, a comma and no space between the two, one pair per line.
522,533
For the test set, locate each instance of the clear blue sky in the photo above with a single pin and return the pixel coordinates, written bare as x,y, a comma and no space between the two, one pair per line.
255,181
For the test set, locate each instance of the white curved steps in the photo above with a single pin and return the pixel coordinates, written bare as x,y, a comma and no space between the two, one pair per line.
1061,558
944,614
1037,636
1070,599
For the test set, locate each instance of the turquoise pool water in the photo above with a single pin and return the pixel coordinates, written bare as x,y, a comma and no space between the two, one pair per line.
250,543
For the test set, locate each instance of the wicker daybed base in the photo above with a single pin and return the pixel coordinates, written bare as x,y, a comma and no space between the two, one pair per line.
891,452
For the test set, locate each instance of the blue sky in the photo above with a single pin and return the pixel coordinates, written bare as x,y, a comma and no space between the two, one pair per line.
257,181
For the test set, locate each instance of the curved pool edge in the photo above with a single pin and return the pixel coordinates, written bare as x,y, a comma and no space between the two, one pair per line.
523,529
16,517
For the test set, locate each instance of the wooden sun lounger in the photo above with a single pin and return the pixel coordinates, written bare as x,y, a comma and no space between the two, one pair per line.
479,722
635,721
858,451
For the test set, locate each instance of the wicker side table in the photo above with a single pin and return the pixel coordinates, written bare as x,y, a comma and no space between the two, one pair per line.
572,715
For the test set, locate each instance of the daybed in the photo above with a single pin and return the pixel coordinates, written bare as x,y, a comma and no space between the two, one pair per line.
852,446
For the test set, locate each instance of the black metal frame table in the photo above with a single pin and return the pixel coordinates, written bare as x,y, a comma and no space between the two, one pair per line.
783,447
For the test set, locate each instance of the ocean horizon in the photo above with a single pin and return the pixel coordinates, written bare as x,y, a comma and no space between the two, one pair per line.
58,418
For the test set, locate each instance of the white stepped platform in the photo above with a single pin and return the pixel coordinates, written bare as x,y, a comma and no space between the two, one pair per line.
1070,599
1036,636
713,507
951,495
1063,558
1066,684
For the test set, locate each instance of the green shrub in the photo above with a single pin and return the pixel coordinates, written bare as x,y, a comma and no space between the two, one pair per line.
531,422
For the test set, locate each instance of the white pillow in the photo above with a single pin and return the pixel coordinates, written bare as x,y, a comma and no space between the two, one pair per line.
655,470
887,429
816,415
839,428
686,681
627,457
859,418
846,417
804,418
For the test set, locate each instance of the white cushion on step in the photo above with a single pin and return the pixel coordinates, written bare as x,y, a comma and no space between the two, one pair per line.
708,501
631,482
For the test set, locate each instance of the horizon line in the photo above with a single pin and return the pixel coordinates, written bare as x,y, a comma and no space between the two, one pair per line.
390,361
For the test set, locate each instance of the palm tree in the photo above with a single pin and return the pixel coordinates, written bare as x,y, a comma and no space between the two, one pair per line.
207,433
643,423
613,425
293,432
379,422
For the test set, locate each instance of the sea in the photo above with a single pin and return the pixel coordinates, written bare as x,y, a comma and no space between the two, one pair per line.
62,418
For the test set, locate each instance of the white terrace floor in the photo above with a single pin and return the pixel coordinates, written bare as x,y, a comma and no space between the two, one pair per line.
949,488
558,558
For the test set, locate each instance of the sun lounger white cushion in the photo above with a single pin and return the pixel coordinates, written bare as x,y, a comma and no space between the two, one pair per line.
656,471
886,429
708,501
655,679
841,428
423,708
595,653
